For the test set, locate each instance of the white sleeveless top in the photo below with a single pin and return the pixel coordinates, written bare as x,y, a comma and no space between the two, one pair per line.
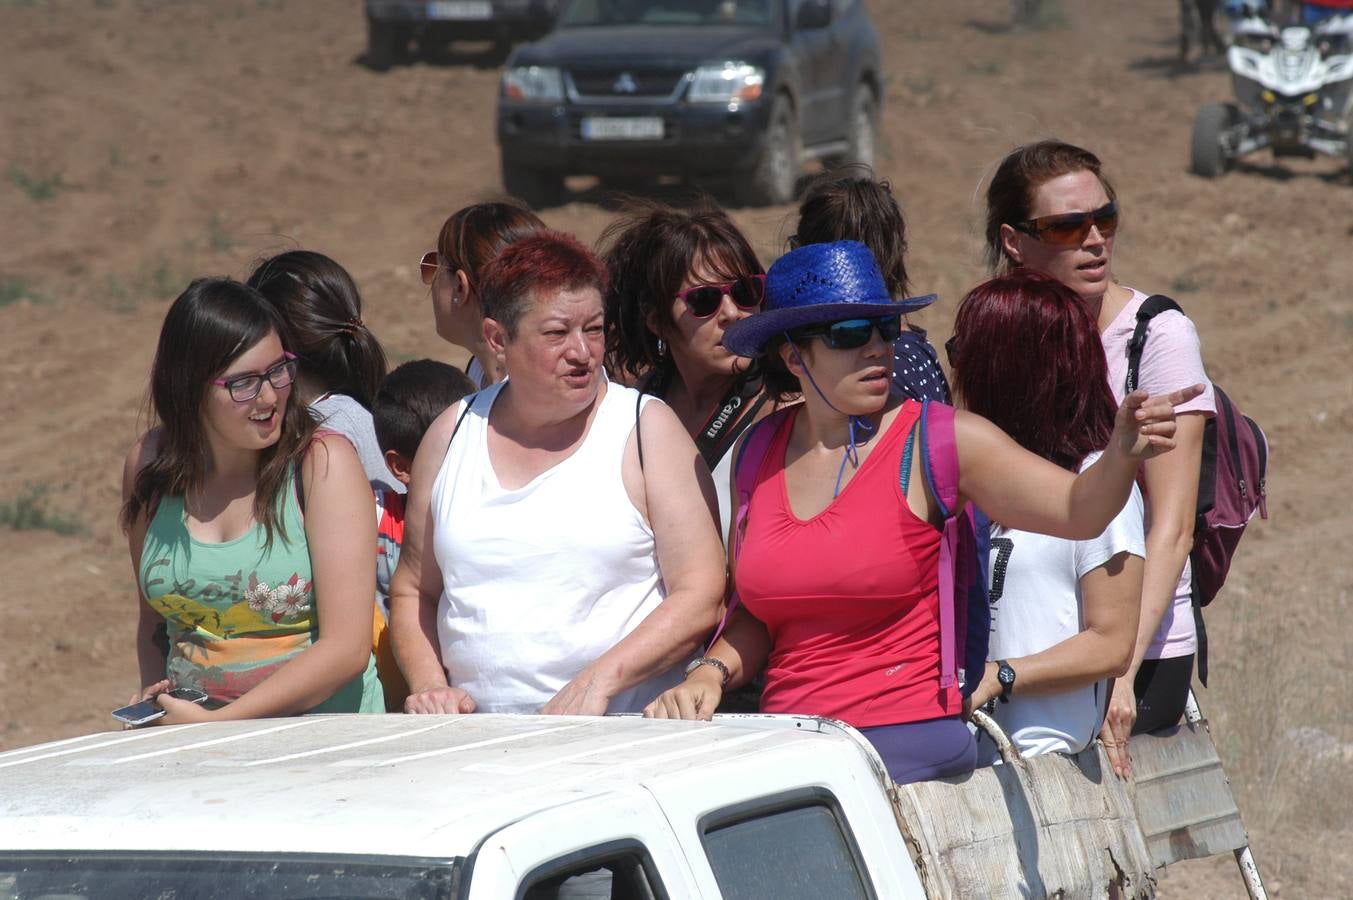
540,581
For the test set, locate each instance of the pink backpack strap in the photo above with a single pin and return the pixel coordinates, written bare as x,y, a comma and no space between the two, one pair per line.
746,467
939,463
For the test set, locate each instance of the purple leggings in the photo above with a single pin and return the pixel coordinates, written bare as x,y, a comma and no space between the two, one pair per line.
919,751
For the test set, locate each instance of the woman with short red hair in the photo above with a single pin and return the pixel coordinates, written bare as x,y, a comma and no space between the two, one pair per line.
551,563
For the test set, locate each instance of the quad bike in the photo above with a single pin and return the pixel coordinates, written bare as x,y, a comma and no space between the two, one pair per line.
1293,96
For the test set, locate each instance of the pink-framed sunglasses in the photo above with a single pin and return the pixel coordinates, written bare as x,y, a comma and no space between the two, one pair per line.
703,300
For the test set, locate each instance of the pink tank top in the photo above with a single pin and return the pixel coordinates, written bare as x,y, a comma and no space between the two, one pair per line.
850,597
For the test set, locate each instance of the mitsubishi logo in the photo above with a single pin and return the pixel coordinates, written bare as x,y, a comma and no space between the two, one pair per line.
625,84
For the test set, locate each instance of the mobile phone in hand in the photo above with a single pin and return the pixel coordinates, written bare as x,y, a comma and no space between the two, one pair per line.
149,710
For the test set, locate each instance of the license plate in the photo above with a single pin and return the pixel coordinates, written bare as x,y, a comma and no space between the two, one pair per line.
462,10
622,128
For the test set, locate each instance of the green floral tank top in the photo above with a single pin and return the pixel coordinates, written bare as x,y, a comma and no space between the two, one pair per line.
237,611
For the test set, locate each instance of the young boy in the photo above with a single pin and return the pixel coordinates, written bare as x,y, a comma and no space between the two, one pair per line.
409,399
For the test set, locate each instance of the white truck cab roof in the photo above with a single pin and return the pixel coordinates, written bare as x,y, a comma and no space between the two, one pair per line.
507,793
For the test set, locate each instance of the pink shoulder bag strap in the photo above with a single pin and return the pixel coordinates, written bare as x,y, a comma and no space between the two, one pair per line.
745,469
939,462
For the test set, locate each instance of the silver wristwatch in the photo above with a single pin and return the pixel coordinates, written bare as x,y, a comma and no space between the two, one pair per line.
710,661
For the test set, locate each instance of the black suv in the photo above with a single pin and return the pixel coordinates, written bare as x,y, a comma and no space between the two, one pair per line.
391,24
737,91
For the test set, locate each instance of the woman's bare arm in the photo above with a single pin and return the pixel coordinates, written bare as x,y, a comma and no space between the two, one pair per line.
1172,497
150,660
1172,500
416,585
743,647
1102,649
1024,491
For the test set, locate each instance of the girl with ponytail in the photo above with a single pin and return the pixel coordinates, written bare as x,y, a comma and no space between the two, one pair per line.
341,362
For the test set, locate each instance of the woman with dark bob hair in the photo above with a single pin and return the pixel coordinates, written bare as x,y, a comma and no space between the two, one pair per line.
678,279
548,565
341,364
1063,612
266,596
1050,207
850,205
470,237
838,568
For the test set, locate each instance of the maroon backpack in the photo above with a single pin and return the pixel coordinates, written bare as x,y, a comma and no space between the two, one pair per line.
1231,482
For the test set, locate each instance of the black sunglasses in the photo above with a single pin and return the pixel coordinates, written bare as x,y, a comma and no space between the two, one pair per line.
851,334
703,300
1071,229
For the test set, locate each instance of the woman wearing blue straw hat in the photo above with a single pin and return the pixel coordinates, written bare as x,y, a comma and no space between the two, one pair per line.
837,548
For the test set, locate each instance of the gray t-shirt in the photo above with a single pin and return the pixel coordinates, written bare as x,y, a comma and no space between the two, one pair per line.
343,414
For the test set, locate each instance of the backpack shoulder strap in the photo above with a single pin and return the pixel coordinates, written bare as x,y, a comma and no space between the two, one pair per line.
638,429
751,454
746,465
939,455
939,462
1151,307
466,404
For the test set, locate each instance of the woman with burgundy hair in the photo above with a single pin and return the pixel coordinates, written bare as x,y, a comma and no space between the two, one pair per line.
1063,612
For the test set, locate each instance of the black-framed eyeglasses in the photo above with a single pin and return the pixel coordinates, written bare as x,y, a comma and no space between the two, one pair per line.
244,388
703,299
951,349
851,334
1071,228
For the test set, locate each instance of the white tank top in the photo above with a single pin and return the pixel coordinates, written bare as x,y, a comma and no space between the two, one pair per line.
541,580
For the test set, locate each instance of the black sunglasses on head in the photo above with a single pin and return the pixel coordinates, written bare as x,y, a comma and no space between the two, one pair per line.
851,334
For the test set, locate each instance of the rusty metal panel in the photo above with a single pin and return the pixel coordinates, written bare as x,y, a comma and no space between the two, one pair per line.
1183,798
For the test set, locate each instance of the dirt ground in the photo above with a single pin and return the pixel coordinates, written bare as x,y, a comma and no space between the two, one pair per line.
147,141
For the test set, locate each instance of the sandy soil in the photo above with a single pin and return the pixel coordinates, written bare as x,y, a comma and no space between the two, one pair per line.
147,141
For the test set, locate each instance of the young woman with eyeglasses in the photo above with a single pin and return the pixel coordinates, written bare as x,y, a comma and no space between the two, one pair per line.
838,565
469,239
1050,207
340,362
678,280
251,532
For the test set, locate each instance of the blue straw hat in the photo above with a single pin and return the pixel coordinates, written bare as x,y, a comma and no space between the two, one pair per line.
815,284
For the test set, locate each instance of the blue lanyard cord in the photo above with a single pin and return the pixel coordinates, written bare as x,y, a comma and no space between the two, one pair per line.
856,424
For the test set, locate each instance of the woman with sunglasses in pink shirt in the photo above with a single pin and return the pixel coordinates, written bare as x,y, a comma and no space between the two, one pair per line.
679,278
838,569
1050,208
